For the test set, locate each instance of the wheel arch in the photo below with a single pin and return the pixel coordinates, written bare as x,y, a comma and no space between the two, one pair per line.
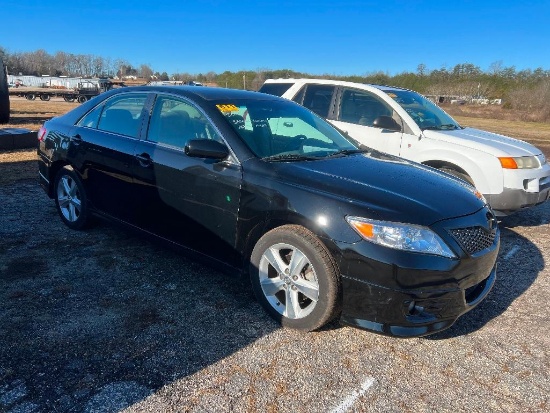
52,173
269,223
444,164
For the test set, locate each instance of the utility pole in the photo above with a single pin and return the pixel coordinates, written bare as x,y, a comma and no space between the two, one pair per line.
244,81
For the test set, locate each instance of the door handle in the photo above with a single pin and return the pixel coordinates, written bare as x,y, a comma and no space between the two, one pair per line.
144,160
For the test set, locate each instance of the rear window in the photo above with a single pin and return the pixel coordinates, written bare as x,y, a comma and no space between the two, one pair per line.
277,89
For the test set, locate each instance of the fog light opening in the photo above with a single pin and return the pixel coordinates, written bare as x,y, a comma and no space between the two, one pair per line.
415,309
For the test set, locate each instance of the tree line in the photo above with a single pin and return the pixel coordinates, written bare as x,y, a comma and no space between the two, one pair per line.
527,89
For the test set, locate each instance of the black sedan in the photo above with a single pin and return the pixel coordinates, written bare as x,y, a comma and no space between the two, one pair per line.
261,186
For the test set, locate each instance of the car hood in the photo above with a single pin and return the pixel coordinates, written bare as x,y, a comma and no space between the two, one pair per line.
493,143
384,187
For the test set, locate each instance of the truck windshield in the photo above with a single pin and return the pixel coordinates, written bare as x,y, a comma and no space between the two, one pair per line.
424,112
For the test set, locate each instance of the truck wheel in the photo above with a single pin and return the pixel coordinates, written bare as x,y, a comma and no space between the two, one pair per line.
4,95
458,174
68,98
45,97
82,99
30,96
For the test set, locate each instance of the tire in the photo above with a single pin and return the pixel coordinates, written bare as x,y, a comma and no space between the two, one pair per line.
30,96
458,174
305,297
70,199
4,95
81,99
45,97
68,98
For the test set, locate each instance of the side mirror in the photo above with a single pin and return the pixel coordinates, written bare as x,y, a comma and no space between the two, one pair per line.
386,122
206,148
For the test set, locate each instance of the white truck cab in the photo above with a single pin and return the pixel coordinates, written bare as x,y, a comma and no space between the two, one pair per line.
510,173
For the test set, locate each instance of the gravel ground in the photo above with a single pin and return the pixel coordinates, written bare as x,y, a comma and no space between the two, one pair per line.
106,321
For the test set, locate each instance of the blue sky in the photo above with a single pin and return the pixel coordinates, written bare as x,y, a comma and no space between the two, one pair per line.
338,37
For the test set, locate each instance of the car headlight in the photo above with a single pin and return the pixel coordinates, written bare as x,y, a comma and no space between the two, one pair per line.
520,162
406,237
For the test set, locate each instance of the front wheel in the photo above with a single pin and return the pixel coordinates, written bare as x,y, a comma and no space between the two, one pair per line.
458,174
295,278
70,199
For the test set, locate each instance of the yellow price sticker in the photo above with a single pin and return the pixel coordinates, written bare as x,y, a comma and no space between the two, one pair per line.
227,108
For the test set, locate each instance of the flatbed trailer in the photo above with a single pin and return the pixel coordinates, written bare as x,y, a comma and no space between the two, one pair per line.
70,95
84,92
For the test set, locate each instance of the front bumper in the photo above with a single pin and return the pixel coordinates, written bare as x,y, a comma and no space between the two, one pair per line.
407,294
411,313
511,200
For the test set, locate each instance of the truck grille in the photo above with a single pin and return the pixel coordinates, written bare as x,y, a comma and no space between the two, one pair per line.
474,239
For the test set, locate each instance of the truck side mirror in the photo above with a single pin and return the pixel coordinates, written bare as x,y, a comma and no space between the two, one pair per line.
386,122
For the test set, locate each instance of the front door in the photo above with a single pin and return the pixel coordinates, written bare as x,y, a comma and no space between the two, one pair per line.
191,201
357,111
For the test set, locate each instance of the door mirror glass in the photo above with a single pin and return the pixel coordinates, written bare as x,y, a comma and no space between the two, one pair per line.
386,122
206,148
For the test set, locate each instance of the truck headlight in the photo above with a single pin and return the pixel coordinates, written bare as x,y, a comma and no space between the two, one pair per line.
396,235
520,162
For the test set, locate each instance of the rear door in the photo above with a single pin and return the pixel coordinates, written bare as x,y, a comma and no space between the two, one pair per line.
191,201
104,141
317,98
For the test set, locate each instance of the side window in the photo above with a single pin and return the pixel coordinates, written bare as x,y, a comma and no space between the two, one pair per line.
122,114
317,98
91,119
174,122
361,107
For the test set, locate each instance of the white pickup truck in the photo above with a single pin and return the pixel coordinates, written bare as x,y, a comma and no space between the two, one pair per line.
510,173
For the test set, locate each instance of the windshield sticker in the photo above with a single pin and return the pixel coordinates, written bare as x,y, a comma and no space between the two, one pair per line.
392,95
227,108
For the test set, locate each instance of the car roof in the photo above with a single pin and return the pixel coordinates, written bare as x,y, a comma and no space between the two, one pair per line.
203,92
334,82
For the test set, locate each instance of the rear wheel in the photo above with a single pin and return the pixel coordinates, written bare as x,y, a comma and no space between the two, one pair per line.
30,96
295,278
82,99
45,97
70,199
68,98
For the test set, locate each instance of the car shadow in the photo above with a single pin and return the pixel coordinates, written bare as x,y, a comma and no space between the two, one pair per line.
97,320
518,265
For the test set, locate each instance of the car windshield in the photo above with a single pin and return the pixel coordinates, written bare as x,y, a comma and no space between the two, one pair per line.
424,112
285,131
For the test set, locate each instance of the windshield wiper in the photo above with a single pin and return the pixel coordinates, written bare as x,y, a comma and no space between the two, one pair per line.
448,126
289,157
344,152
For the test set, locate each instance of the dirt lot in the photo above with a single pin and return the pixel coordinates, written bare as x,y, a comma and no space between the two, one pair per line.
106,321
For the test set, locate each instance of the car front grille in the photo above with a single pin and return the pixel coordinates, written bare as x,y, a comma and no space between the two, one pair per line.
473,239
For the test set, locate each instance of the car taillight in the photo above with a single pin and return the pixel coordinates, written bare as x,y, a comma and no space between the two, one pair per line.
42,134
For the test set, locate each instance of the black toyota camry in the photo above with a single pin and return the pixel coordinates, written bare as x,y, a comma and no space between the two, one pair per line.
261,186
